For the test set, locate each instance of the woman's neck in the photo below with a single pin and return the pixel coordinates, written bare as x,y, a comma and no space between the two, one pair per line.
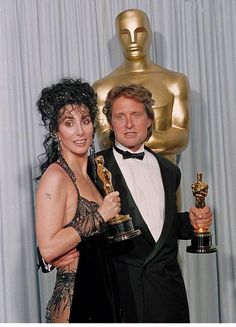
78,164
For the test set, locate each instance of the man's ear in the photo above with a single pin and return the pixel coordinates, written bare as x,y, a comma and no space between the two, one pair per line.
150,122
110,125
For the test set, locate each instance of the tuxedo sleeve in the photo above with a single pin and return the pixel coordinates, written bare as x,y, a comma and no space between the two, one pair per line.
185,229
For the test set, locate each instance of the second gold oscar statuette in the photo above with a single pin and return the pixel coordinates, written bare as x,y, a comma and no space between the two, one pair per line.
201,241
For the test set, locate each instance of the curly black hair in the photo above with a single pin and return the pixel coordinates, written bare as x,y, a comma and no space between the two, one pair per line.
52,99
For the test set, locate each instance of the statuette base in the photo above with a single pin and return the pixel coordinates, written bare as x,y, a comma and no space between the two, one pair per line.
201,243
121,228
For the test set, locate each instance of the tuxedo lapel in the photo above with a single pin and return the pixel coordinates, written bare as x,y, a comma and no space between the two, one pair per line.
167,221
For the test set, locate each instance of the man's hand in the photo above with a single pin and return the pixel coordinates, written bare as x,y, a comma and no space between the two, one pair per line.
200,218
65,259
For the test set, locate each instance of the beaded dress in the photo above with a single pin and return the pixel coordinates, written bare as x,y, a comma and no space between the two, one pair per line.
85,292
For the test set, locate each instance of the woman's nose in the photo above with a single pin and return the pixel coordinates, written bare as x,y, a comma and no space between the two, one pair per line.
79,129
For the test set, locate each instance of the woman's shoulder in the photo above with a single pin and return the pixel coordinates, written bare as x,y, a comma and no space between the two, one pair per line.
54,175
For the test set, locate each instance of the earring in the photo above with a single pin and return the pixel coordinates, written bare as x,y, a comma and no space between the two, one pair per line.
92,149
57,141
92,160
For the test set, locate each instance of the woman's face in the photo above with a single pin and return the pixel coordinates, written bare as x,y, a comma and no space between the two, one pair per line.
75,130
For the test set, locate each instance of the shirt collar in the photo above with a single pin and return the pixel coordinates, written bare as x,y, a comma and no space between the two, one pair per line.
122,147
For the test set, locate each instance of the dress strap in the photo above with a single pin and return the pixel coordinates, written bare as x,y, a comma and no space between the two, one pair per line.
62,162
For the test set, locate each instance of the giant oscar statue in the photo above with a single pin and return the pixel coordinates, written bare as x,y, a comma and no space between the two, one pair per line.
169,89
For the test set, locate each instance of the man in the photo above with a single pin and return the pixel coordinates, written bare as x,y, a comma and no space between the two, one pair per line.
150,283
169,89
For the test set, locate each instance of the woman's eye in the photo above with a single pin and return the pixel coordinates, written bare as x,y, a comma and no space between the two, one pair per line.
69,123
86,121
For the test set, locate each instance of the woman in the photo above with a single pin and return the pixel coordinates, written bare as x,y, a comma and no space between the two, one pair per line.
70,211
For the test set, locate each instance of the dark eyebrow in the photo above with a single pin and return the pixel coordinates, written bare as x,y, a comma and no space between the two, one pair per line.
66,117
86,115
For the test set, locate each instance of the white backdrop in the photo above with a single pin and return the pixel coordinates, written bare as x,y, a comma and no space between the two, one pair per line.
44,40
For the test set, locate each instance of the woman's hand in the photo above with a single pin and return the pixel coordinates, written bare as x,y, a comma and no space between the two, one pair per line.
110,206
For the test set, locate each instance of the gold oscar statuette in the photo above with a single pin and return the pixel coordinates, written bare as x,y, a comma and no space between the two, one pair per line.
120,227
201,241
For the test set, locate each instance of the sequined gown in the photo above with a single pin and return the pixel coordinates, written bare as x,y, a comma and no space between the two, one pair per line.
86,292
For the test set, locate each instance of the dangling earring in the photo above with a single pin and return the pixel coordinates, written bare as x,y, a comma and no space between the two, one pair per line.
92,149
92,160
57,141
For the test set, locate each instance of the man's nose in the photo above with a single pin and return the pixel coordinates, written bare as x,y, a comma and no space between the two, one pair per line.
129,122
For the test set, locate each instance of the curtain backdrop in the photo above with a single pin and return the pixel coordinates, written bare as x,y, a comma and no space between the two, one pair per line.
43,40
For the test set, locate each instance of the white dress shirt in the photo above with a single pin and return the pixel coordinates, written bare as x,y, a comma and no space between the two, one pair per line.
144,181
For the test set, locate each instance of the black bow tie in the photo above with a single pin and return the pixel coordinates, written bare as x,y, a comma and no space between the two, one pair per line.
128,155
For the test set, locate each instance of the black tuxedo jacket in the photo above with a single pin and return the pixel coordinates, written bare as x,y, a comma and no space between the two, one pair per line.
150,283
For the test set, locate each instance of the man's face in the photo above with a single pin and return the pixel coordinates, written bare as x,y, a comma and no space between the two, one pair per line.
129,122
134,33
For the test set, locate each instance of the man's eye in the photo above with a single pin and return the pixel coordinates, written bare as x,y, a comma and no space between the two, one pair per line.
120,117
